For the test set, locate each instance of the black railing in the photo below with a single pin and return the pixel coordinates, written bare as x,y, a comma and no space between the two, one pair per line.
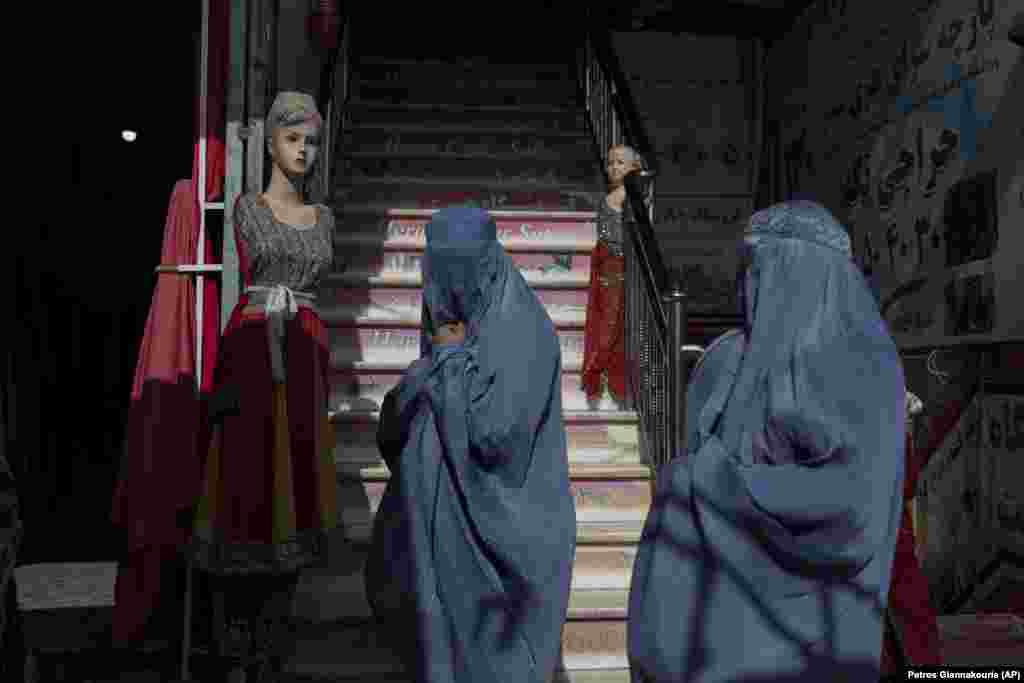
657,357
334,94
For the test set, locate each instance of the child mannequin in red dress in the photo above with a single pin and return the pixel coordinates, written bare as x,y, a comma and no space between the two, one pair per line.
604,360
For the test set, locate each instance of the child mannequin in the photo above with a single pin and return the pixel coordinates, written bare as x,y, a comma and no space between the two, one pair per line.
604,338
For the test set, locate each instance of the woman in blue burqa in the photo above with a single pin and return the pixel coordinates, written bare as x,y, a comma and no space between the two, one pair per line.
766,555
474,539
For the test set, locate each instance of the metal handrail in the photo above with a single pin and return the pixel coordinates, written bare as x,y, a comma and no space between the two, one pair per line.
657,355
334,94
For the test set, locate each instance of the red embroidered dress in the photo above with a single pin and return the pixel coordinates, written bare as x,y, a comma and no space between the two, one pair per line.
268,493
604,349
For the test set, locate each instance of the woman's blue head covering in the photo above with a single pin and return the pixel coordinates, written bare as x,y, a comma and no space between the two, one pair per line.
791,485
478,521
464,267
806,305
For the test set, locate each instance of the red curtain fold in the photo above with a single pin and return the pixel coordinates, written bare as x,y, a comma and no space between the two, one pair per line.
215,126
167,430
909,603
160,468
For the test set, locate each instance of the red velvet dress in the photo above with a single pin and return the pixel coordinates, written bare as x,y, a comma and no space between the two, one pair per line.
604,340
916,641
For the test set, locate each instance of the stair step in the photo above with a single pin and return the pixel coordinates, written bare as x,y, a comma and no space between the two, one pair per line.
325,597
591,651
388,349
571,417
509,92
503,148
391,194
371,266
405,229
553,278
444,187
617,505
603,534
577,472
400,151
354,388
398,69
578,676
366,136
403,306
440,168
468,117
589,443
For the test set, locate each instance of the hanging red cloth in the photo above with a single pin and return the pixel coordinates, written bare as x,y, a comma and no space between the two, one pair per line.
916,640
159,475
167,428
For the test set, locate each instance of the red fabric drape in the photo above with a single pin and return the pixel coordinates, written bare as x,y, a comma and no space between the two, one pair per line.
604,338
909,603
167,430
160,467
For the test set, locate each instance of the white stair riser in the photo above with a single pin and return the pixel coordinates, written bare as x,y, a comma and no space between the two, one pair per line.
600,586
371,267
389,349
589,443
365,391
529,232
367,307
598,503
586,646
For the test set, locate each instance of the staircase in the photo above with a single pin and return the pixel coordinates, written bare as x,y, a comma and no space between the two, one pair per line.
424,134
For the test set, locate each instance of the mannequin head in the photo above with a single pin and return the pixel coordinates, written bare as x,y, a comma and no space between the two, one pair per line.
294,148
621,161
293,138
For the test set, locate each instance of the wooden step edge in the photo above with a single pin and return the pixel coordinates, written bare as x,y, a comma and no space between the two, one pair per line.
415,281
383,211
338,322
470,183
587,533
567,109
566,246
469,128
602,675
397,153
577,472
474,62
303,625
570,416
573,367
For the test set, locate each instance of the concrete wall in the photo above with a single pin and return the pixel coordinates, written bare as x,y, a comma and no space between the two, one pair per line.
889,112
904,118
694,95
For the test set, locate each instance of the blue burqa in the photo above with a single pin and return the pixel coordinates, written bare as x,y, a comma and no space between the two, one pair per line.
474,539
766,555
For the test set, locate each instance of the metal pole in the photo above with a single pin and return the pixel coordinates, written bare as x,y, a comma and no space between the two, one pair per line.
675,308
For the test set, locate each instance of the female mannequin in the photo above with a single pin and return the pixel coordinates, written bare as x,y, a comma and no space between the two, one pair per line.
267,500
604,351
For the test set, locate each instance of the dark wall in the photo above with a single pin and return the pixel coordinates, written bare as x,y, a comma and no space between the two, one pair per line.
83,276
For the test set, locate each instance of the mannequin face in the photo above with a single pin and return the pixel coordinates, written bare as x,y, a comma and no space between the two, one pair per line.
294,148
618,166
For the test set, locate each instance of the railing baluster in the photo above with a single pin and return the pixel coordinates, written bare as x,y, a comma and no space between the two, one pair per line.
655,319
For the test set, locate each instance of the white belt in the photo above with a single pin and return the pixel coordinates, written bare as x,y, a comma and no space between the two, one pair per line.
280,305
